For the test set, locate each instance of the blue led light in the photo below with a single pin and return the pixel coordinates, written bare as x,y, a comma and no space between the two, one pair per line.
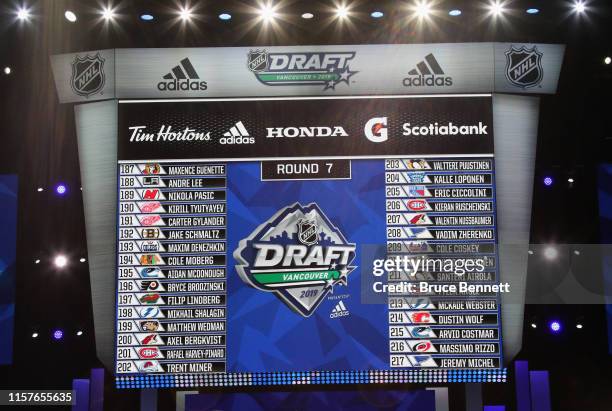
455,13
61,189
533,11
225,16
377,14
147,17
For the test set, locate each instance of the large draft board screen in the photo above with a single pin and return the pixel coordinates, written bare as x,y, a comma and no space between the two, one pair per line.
252,233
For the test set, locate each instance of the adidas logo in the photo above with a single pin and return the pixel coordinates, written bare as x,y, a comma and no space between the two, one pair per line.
427,73
339,310
182,77
238,134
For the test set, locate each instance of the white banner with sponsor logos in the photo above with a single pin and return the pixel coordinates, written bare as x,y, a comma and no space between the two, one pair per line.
308,71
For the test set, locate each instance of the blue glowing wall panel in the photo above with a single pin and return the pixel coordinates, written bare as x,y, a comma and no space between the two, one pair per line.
8,239
605,215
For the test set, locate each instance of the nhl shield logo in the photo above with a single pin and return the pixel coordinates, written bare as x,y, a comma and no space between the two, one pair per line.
524,66
88,75
258,60
307,232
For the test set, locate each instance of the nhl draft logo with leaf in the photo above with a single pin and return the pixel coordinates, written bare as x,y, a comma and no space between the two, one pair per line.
524,66
298,255
88,76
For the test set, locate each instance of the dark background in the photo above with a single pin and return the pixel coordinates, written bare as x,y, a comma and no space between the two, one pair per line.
39,143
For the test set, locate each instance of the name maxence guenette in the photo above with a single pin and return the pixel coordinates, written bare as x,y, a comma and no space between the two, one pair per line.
166,133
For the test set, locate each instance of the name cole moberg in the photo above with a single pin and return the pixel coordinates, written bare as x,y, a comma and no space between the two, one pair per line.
166,133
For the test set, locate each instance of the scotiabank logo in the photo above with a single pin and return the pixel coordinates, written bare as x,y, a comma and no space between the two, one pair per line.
446,129
375,129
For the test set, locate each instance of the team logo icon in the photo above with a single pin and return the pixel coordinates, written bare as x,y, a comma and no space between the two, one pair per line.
149,352
149,259
88,75
524,66
151,326
421,317
150,339
150,194
422,332
422,361
150,181
417,205
149,285
422,346
149,312
151,298
151,169
299,255
150,233
417,177
151,272
149,366
417,165
257,60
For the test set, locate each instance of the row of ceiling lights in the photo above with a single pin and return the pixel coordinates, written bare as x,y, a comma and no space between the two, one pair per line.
268,12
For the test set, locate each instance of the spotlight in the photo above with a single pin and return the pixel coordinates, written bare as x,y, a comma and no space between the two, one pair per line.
37,261
61,189
548,181
70,16
534,325
58,334
7,70
497,8
579,326
422,9
34,335
576,252
377,14
555,326
83,260
454,13
341,12
551,253
579,7
532,11
530,252
307,16
60,261
570,180
108,13
267,13
225,16
608,60
185,13
23,14
79,333
40,189
147,17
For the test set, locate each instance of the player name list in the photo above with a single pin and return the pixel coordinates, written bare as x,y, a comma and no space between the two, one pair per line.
442,210
171,279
